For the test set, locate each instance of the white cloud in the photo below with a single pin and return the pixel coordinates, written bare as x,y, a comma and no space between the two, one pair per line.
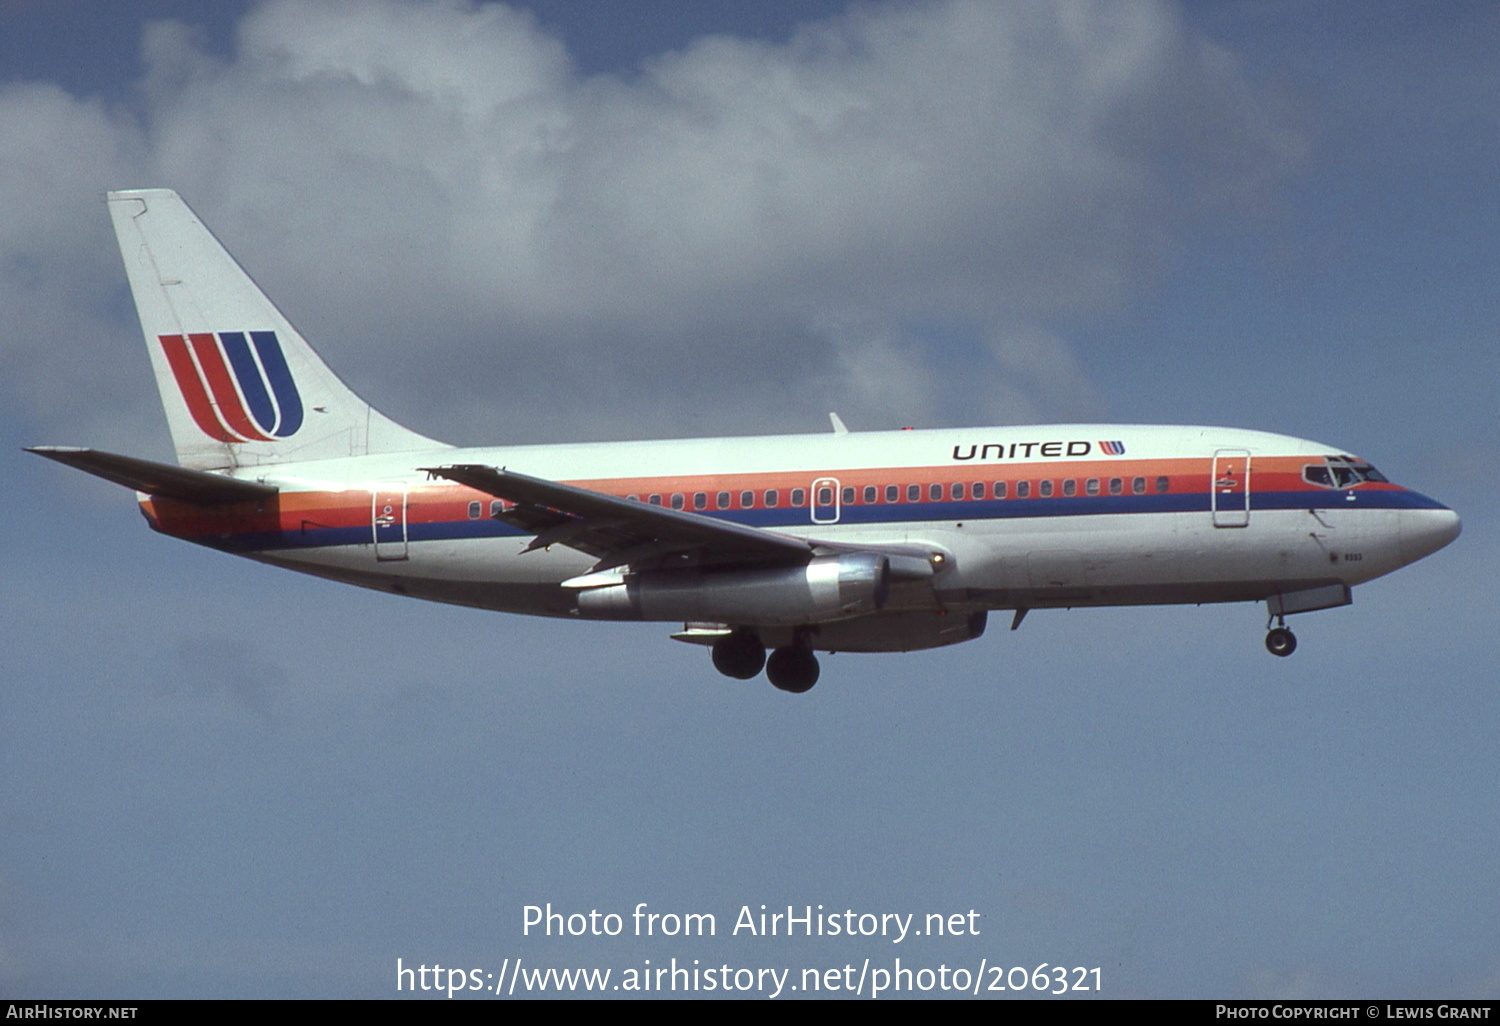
1039,378
483,240
877,373
63,345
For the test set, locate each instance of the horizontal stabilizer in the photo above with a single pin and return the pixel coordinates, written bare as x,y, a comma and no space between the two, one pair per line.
157,478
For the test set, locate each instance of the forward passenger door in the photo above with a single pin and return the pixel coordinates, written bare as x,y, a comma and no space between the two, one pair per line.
1229,491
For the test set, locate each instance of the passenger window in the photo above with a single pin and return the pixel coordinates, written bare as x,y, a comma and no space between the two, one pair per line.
1045,489
799,497
700,500
655,500
999,489
913,493
956,491
1163,484
496,508
869,495
747,500
1023,489
772,498
677,501
935,492
473,511
978,491
1070,487
1138,485
892,493
1116,486
825,496
722,500
1092,486
848,495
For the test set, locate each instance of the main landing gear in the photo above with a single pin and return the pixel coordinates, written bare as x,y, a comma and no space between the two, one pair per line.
1280,641
739,655
791,668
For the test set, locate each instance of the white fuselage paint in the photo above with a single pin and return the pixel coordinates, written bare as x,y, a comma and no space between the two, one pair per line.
990,562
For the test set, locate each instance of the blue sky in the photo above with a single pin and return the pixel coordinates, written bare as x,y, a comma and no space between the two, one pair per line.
573,221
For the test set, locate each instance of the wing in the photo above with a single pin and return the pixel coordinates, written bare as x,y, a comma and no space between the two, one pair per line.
621,531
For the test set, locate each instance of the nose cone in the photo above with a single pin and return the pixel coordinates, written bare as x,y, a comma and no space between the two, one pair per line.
1424,531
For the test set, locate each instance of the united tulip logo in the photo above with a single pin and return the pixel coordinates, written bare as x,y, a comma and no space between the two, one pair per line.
237,388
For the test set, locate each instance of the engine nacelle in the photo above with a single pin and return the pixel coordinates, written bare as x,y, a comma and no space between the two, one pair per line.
827,588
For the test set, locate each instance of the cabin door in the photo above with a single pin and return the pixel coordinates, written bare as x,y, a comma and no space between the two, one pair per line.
388,522
1229,492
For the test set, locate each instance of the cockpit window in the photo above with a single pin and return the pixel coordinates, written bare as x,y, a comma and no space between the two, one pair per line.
1343,475
1366,472
1340,472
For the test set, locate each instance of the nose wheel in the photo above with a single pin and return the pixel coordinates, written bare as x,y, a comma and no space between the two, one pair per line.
1280,641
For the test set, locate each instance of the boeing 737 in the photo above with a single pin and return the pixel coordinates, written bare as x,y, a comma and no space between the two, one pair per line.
880,541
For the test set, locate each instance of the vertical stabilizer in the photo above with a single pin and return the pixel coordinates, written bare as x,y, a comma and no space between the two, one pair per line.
240,385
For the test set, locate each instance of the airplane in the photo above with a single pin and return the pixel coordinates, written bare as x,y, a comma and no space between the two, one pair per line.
868,541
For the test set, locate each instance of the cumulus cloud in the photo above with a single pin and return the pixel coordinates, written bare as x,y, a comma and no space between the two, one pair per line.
492,245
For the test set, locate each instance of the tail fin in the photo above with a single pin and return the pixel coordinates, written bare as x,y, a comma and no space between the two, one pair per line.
241,387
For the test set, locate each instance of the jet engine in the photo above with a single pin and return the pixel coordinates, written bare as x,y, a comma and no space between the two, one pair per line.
825,589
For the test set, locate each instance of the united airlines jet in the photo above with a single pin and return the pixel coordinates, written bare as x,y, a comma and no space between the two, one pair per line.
882,541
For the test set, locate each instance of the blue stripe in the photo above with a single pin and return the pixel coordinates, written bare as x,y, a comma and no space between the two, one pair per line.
280,375
797,518
1354,499
257,399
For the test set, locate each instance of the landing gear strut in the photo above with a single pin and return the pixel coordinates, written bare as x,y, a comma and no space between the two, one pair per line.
739,655
793,668
1280,641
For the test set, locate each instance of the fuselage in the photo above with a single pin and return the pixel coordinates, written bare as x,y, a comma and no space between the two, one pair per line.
1022,517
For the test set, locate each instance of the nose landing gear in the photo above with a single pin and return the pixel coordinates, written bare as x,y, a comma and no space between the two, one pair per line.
1280,641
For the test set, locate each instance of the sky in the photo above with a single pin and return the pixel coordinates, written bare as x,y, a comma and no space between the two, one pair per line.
565,221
